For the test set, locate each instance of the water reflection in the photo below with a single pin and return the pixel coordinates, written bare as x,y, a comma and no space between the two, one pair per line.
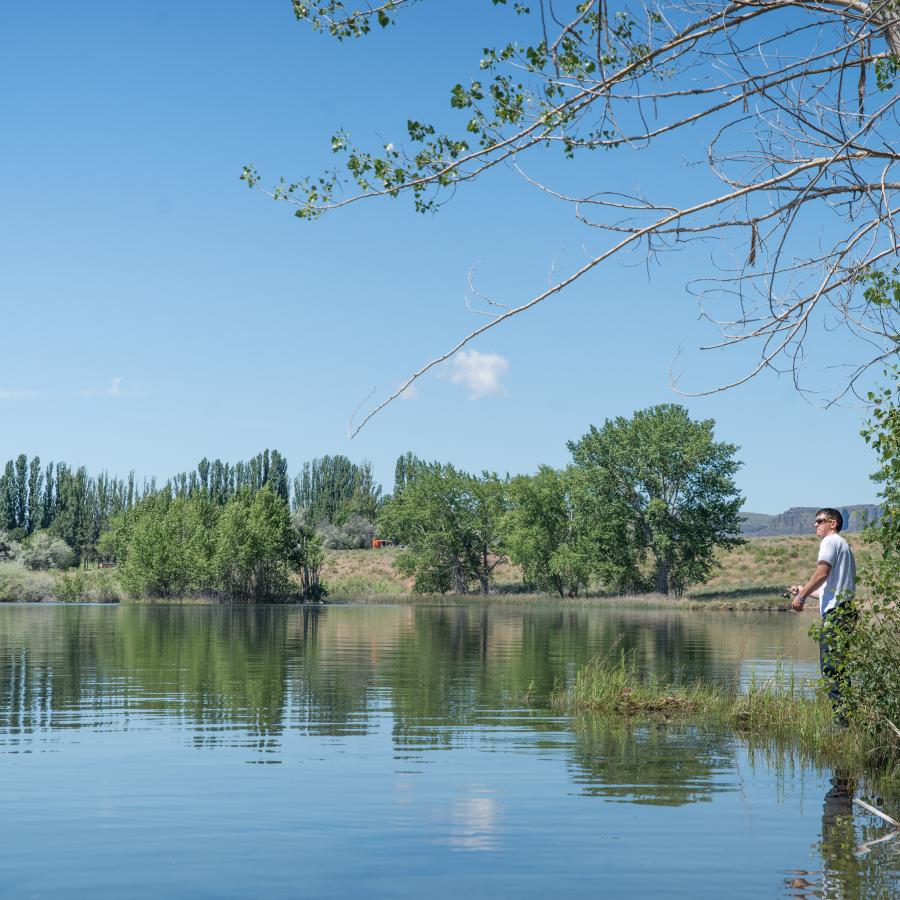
261,670
360,707
654,763
854,861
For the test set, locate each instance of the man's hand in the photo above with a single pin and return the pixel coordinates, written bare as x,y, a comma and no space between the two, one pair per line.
797,604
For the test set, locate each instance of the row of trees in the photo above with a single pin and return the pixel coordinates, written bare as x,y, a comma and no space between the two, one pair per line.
332,494
643,506
222,481
65,501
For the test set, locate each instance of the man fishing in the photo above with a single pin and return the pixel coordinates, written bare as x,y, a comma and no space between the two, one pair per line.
834,582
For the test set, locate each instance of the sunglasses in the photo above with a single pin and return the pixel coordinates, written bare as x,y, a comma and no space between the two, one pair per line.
821,521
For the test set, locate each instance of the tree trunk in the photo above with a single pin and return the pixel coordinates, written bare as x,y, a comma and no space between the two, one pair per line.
662,577
485,573
460,585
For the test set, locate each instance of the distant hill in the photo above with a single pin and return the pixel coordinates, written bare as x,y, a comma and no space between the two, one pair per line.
799,520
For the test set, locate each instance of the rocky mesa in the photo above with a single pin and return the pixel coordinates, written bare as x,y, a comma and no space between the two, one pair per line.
798,520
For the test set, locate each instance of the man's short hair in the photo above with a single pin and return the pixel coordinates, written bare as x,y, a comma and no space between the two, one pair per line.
833,514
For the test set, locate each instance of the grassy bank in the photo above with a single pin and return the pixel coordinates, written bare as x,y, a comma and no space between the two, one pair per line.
779,710
750,577
763,567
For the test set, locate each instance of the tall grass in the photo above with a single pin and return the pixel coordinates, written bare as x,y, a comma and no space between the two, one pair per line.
778,710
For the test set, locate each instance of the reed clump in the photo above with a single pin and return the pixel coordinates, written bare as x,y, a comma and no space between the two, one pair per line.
777,710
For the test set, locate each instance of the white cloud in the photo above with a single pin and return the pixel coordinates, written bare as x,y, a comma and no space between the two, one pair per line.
17,394
410,393
479,372
113,389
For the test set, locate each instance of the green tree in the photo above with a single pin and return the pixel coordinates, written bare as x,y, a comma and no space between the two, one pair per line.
76,518
255,546
405,469
332,488
21,501
451,525
9,548
8,493
308,557
658,493
543,534
44,551
107,545
153,547
35,495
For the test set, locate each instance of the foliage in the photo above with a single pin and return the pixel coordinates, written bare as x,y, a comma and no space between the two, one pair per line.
451,525
406,468
221,480
70,587
23,586
656,490
78,508
308,556
9,548
870,651
333,489
161,546
106,545
44,551
254,546
355,534
543,534
177,539
779,710
244,549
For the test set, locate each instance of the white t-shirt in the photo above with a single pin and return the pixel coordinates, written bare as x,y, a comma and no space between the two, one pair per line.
841,581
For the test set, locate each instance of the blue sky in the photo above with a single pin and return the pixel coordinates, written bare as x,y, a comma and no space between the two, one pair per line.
156,311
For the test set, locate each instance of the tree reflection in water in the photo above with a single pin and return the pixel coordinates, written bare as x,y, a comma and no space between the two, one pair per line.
437,678
651,762
263,669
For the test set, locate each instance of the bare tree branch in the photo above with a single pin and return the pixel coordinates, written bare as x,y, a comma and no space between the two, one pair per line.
801,139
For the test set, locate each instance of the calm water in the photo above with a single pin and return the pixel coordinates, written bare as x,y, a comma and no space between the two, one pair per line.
389,752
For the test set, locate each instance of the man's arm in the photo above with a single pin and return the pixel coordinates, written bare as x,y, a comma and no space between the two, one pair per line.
817,579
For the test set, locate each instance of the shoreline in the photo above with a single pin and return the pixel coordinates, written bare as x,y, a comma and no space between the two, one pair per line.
645,601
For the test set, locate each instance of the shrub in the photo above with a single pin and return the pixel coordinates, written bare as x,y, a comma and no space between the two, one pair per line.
871,651
19,586
69,587
356,533
9,548
11,585
104,588
47,552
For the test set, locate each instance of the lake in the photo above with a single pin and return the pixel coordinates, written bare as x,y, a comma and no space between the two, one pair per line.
401,751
